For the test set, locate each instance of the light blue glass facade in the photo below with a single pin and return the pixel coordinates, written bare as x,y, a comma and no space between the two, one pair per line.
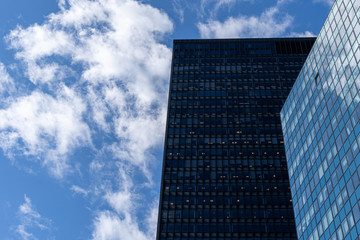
321,126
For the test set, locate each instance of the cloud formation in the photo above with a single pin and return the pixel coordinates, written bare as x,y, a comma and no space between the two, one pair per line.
44,126
6,82
107,55
179,9
30,220
109,226
79,190
304,34
99,74
211,8
270,23
121,221
264,26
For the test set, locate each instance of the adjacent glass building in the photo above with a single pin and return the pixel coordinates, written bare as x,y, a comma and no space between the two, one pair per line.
224,171
321,125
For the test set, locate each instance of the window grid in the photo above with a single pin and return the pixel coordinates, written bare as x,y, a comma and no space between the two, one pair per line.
225,174
322,135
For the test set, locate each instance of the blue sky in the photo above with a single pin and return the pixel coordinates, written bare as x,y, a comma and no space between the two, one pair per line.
83,89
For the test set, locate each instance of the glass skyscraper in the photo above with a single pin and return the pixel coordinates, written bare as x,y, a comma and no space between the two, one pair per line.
321,125
224,171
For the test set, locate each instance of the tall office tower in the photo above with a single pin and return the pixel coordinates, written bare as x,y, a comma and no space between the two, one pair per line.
321,125
224,170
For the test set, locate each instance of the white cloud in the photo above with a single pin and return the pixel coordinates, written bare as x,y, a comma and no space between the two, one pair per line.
123,68
122,222
36,42
6,82
152,220
140,132
210,8
222,3
49,127
270,23
27,209
109,226
79,190
113,70
30,220
179,8
304,34
122,201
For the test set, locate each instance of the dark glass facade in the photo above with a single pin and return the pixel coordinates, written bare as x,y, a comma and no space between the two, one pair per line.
224,171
